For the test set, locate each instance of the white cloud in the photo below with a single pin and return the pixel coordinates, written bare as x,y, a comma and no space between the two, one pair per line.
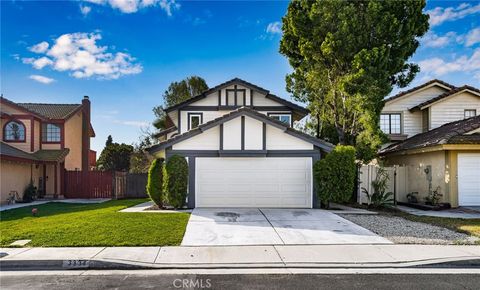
41,79
433,40
438,67
274,28
132,6
40,47
439,15
473,37
85,10
79,54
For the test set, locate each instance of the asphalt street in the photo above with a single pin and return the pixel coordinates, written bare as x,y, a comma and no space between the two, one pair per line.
243,281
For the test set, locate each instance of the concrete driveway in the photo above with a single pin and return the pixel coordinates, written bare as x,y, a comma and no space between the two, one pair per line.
252,226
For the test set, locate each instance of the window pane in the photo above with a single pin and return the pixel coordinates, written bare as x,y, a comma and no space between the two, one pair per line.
51,133
195,121
282,118
470,113
14,131
395,124
385,123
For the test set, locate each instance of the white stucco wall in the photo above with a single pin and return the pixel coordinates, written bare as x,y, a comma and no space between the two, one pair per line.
208,140
253,134
279,140
232,139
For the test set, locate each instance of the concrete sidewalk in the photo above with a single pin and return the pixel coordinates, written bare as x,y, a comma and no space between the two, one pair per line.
281,256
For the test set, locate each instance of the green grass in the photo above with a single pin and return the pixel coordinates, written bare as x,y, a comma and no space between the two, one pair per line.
81,225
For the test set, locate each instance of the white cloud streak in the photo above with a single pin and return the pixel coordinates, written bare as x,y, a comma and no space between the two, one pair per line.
473,37
79,54
439,67
41,79
274,28
439,15
85,10
132,6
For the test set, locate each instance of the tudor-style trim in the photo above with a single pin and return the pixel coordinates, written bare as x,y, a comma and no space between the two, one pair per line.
219,98
242,153
191,181
24,140
189,114
234,114
251,98
264,136
32,134
235,95
242,129
221,137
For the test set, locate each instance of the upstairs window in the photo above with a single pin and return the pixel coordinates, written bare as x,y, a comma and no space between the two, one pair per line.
194,120
469,113
51,133
14,131
390,123
282,117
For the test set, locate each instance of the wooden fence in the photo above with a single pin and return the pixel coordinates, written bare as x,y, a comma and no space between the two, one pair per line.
104,184
89,184
397,182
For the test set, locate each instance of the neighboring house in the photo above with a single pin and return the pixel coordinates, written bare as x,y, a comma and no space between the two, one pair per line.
242,149
39,141
435,131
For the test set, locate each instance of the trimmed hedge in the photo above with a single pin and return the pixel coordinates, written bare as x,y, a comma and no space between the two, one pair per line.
155,182
335,175
176,181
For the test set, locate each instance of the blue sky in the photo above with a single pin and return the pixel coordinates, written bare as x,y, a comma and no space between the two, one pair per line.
131,51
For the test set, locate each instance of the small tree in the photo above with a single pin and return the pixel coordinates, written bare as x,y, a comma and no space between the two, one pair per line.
176,180
335,175
155,182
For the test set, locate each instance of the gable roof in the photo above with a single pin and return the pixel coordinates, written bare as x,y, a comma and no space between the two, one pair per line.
243,111
450,133
437,82
443,96
52,111
242,82
7,151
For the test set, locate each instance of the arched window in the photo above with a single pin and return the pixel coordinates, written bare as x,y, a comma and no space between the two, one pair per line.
14,131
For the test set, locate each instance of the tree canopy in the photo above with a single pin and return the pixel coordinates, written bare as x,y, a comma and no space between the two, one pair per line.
176,93
115,156
347,56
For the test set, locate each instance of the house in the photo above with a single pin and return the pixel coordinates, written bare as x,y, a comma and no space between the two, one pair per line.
434,131
242,149
39,141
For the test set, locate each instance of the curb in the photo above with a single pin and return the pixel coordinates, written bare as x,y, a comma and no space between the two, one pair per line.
92,264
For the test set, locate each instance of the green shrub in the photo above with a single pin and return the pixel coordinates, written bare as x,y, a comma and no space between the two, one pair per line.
155,182
335,175
176,181
30,192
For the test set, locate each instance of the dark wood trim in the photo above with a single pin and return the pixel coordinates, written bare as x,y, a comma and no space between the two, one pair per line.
17,159
245,153
219,98
242,153
235,94
264,136
32,134
55,178
194,114
221,137
251,98
24,140
191,182
179,121
40,136
201,108
245,98
225,107
243,132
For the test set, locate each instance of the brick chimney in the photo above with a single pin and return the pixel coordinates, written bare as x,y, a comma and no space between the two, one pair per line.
85,132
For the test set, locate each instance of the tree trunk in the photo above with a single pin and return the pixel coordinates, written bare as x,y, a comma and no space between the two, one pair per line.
318,126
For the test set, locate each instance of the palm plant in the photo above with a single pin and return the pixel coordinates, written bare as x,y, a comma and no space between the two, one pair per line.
380,197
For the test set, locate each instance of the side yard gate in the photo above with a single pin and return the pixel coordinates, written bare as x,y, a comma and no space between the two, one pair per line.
104,184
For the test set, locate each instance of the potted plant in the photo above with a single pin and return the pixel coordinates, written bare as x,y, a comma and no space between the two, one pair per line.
412,197
433,197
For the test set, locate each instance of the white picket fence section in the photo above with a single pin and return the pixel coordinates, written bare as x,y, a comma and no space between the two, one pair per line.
397,182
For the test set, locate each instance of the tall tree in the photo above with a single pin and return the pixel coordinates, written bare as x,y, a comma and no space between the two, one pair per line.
115,156
176,93
346,56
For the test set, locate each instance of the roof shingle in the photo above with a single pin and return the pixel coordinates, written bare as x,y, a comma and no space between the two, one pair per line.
52,111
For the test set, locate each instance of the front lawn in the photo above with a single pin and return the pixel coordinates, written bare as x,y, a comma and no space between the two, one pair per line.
81,225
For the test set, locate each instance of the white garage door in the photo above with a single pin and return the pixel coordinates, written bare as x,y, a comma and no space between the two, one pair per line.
254,182
469,179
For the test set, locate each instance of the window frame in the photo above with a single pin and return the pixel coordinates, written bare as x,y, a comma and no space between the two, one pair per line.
390,123
189,119
469,110
22,125
289,114
43,131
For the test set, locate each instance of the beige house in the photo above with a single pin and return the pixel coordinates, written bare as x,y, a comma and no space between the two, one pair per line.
435,134
40,141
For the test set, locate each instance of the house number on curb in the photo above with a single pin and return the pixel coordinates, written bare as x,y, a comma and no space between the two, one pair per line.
74,264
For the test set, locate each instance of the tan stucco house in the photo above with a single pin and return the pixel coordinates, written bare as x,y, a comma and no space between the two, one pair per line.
434,131
39,142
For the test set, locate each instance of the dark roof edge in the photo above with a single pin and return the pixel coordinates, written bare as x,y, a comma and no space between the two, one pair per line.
242,111
419,87
12,103
443,96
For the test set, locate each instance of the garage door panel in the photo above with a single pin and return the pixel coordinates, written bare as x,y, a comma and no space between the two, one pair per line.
253,182
469,179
